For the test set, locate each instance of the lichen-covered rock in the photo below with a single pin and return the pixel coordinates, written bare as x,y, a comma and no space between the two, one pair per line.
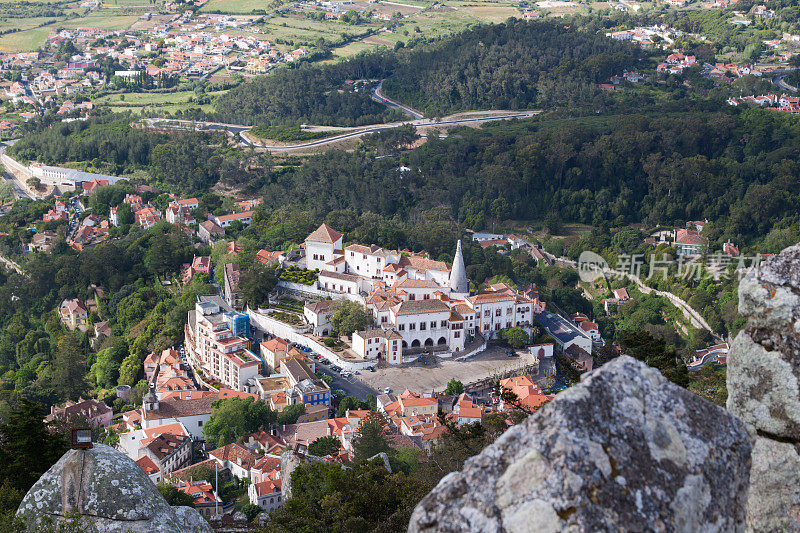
774,500
764,361
109,492
623,450
764,382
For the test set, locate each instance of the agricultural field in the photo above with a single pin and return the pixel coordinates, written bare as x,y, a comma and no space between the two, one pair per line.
34,34
140,102
238,6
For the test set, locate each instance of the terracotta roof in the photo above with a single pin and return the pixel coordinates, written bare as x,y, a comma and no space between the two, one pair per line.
319,307
414,307
491,297
268,486
175,408
165,444
417,284
275,344
147,465
325,234
212,228
420,263
687,236
236,453
235,216
337,275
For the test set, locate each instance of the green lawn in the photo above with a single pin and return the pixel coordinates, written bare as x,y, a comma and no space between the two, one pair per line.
162,102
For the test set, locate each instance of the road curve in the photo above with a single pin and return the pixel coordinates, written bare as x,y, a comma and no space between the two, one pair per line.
382,127
378,96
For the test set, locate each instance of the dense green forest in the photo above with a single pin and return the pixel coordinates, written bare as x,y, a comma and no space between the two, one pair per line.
179,161
515,65
311,94
735,167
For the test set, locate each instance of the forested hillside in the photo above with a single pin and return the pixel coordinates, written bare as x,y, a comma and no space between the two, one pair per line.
186,161
605,171
310,94
515,65
608,171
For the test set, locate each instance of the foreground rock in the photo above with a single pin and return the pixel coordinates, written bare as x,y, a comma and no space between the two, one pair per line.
764,389
623,450
764,363
109,492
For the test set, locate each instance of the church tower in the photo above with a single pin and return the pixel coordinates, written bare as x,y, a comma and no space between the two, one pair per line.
459,286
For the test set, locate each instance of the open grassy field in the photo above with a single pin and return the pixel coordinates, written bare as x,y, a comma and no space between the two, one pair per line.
32,37
138,102
239,6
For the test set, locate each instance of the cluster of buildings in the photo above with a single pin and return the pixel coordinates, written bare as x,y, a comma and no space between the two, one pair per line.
717,355
179,46
644,35
687,241
774,102
417,304
676,62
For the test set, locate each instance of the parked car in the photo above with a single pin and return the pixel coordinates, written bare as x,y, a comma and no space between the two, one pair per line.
372,369
387,390
511,354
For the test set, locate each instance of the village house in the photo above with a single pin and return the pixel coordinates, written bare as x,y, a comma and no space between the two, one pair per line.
236,458
94,412
168,452
690,242
565,332
209,231
529,396
318,315
223,221
73,314
206,500
200,264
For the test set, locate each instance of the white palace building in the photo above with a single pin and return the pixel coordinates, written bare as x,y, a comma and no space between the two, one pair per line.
418,304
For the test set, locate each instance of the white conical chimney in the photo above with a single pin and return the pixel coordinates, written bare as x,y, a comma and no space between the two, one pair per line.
458,274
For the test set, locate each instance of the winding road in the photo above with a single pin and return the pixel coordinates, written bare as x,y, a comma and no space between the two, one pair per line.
419,120
378,96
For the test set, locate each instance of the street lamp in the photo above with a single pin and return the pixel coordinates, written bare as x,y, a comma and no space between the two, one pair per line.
81,438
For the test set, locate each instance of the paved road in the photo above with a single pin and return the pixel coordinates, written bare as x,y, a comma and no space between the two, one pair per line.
350,385
382,127
378,96
778,80
240,129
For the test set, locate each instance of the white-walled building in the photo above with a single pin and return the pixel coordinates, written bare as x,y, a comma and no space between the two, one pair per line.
216,341
321,246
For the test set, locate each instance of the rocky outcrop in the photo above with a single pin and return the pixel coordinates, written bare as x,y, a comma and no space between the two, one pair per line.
764,389
624,449
109,492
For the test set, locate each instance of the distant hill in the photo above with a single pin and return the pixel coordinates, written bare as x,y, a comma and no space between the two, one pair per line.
310,94
515,65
